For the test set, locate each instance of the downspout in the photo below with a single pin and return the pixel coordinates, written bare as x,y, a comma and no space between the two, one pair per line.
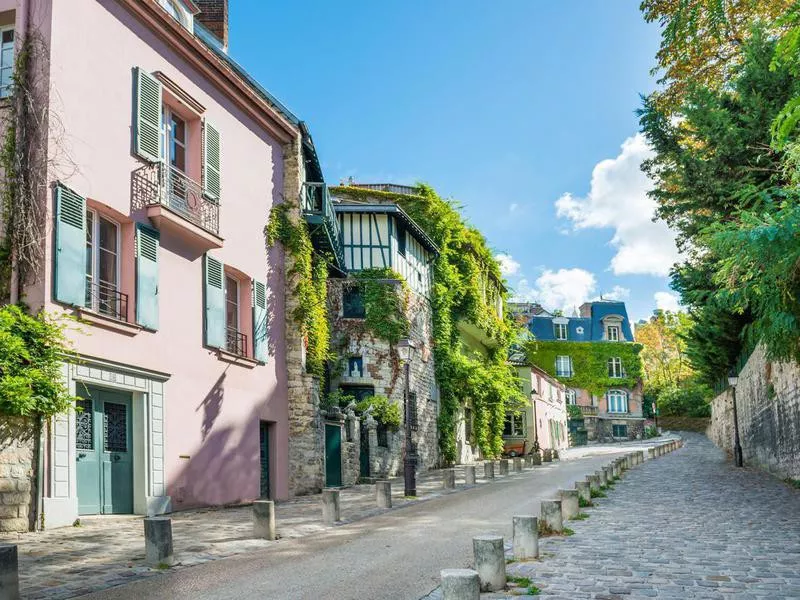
37,519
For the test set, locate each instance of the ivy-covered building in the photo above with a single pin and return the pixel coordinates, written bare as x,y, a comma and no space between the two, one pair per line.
594,354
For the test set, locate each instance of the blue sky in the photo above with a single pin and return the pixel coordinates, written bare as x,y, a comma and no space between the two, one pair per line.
517,108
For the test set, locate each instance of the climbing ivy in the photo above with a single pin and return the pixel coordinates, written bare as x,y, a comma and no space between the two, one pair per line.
309,274
385,303
589,363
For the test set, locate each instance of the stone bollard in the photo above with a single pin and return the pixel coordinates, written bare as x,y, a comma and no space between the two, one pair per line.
528,461
570,506
488,469
264,519
651,453
601,476
490,562
616,469
503,466
449,479
526,537
158,541
383,494
609,471
584,491
469,474
517,464
547,455
9,572
594,482
460,584
551,516
330,506
536,459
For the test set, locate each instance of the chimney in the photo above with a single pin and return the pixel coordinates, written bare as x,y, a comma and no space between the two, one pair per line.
214,16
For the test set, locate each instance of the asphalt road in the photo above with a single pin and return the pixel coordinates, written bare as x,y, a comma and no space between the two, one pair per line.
397,555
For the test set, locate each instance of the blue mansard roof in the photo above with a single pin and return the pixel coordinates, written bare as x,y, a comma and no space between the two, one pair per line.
586,328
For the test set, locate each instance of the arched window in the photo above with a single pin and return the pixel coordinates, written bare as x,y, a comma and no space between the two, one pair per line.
176,11
617,401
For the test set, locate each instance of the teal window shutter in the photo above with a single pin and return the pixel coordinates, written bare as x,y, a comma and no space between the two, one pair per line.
147,113
70,260
147,244
211,161
260,323
214,301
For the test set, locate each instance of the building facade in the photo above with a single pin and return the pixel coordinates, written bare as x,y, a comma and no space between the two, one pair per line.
594,355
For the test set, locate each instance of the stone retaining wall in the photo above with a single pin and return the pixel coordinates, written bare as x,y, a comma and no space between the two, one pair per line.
16,474
768,403
698,424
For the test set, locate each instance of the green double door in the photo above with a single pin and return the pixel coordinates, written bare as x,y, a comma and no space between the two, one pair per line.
104,452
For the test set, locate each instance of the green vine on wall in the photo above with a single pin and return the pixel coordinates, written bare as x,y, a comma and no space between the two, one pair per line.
309,274
385,295
589,363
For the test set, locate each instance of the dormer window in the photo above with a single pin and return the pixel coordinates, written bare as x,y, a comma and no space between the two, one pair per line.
561,331
613,333
177,11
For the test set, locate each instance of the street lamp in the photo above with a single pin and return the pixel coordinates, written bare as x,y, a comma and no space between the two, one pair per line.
733,379
405,349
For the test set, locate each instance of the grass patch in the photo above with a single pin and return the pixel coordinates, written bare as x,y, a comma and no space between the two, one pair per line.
534,591
598,494
795,483
162,566
567,532
520,581
545,531
510,560
580,517
585,503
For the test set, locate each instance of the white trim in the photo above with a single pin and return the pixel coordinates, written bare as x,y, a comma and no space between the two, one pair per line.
3,29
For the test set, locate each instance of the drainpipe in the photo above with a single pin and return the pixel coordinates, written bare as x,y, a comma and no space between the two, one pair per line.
37,518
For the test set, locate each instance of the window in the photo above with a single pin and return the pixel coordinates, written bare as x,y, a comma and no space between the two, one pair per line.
413,416
612,333
514,425
615,367
619,431
6,61
353,304
563,366
571,396
561,331
102,267
401,240
468,424
235,342
176,141
617,401
355,366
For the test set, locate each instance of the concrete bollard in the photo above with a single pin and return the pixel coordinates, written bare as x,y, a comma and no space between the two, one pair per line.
517,464
460,584
488,469
551,516
536,458
490,562
383,494
569,504
449,479
330,506
526,537
609,471
9,572
547,455
651,453
469,474
601,475
528,461
503,466
158,541
616,469
584,491
594,482
264,519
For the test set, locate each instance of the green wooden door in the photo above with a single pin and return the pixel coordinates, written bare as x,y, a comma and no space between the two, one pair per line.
264,458
104,453
333,455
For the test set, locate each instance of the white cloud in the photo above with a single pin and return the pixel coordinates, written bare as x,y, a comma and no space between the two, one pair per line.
617,293
565,289
508,266
618,199
667,301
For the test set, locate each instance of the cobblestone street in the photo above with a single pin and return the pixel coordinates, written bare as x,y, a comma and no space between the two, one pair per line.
687,525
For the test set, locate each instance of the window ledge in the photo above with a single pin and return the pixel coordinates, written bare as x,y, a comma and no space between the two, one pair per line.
236,359
88,316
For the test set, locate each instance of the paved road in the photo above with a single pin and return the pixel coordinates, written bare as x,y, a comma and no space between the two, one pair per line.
396,555
687,525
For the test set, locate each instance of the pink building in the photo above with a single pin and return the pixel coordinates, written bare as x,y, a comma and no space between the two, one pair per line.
165,160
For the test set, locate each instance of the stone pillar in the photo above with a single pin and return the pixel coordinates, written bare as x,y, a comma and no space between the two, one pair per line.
537,459
528,461
503,466
330,506
526,537
616,469
488,469
517,464
584,491
651,453
264,519
449,479
490,562
551,516
460,584
9,572
601,474
469,474
548,455
158,541
594,482
569,504
383,494
372,445
609,475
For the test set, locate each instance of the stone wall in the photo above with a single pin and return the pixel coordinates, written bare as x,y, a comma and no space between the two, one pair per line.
768,403
605,429
351,451
698,424
16,474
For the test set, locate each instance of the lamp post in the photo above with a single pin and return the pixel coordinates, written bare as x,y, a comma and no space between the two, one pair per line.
405,349
733,379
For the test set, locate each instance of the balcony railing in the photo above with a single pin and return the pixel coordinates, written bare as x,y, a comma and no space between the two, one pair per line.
104,299
166,186
589,410
235,342
317,208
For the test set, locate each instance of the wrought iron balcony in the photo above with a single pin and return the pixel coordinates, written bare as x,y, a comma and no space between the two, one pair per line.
235,342
103,298
317,209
